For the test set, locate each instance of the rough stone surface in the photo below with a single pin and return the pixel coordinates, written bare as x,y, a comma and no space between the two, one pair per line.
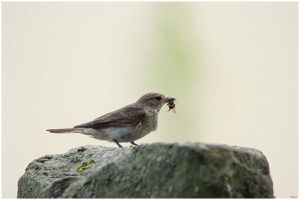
154,170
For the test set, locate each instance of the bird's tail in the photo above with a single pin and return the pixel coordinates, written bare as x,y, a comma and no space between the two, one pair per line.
62,130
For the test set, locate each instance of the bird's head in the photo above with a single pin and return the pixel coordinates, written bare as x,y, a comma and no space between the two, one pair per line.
154,100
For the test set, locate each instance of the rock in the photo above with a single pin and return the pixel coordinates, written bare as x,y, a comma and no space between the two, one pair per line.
153,170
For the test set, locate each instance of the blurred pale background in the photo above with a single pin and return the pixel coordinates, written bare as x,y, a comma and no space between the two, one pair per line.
233,67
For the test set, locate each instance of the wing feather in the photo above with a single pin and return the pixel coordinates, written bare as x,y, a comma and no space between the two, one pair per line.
124,117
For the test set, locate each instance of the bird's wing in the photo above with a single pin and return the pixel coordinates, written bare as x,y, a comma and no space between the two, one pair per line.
124,117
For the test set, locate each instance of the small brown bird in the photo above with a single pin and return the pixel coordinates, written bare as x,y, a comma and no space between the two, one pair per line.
126,124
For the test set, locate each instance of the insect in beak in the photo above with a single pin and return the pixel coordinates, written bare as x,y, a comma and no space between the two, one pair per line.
170,103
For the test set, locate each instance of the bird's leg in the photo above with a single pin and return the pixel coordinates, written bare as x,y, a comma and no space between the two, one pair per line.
116,141
134,143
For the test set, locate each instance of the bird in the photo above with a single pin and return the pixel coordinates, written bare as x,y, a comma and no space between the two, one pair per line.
126,124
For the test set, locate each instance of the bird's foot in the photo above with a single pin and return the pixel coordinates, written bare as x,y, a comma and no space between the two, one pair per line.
116,141
134,143
81,149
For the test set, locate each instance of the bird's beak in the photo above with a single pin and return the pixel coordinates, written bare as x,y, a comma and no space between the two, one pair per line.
169,99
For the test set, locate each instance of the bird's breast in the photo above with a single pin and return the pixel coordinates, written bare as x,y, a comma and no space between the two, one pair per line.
150,123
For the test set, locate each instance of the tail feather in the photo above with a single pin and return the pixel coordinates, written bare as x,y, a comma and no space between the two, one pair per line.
62,130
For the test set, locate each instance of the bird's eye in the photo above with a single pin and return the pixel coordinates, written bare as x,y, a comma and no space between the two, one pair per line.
158,98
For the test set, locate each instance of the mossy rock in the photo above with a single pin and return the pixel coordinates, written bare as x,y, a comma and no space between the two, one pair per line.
154,170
